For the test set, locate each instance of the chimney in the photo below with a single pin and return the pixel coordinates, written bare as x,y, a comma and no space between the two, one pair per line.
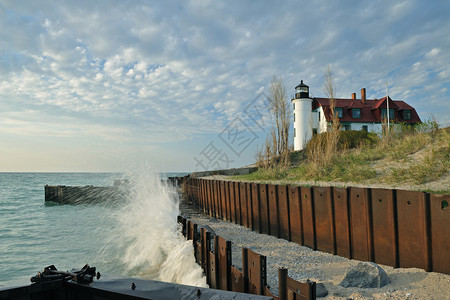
363,95
353,96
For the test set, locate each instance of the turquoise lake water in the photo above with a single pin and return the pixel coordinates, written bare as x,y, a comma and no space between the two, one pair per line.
119,239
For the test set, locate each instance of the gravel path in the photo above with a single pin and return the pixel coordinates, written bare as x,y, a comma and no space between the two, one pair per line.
303,263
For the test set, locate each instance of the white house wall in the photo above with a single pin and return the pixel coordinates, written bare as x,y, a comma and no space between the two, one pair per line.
320,123
371,127
315,119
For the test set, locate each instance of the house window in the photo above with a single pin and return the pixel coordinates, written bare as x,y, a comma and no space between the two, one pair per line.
347,127
294,117
406,115
356,113
294,105
294,132
365,128
384,113
319,115
338,112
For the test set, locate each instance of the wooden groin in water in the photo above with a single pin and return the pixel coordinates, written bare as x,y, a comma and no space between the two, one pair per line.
63,194
86,194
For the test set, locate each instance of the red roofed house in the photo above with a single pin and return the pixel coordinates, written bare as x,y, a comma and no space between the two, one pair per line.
313,115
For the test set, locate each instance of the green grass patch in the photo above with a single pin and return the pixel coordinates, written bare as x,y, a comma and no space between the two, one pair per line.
264,175
356,164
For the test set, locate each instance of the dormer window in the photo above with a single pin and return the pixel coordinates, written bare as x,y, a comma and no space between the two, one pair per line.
406,114
356,113
338,112
384,113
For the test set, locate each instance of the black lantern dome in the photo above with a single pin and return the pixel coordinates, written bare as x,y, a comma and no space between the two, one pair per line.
301,91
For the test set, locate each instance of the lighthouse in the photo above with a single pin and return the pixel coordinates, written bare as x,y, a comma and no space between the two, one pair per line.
302,106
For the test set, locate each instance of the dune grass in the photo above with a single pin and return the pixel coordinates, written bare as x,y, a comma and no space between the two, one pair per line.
409,156
434,163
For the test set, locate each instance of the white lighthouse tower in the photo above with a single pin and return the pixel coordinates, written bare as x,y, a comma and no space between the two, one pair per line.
302,116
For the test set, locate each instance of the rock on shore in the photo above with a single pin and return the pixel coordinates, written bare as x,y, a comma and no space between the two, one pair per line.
365,275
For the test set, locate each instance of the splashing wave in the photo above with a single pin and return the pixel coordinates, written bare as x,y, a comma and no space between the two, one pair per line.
148,241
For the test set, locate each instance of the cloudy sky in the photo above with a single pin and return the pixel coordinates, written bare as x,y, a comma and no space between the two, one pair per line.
108,85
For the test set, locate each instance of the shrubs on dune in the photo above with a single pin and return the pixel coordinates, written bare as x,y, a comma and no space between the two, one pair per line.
357,138
435,161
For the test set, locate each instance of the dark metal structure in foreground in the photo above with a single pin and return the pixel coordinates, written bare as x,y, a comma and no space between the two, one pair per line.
114,287
213,253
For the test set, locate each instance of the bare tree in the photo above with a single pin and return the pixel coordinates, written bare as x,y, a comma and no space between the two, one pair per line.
276,149
279,108
332,138
330,92
323,148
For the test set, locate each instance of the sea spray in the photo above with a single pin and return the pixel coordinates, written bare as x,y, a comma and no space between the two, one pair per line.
149,239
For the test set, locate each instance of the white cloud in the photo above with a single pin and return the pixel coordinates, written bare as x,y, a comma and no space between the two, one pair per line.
433,52
400,9
174,71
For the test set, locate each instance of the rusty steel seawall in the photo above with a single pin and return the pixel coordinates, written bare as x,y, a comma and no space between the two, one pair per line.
390,227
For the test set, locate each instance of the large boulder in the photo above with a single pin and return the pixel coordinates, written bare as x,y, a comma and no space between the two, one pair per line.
365,275
321,290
